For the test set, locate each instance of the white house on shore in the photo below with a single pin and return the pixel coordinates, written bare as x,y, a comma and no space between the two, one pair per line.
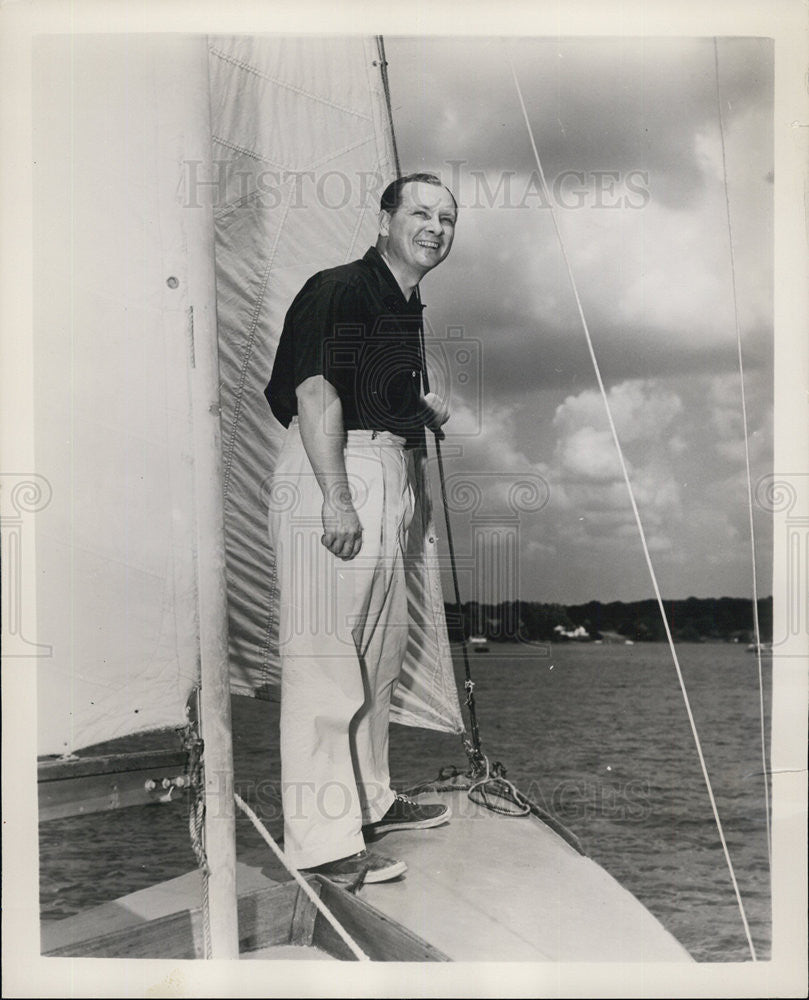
580,632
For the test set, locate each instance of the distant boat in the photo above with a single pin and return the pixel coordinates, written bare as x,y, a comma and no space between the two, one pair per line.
479,643
762,647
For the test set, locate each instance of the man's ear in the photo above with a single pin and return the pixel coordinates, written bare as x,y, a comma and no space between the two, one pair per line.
384,222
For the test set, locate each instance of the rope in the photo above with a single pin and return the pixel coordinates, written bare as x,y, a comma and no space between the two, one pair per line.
194,747
489,790
498,787
756,628
635,510
304,885
494,786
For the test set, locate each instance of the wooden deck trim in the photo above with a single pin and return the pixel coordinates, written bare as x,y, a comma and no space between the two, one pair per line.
283,914
58,768
279,915
177,936
112,781
379,936
273,916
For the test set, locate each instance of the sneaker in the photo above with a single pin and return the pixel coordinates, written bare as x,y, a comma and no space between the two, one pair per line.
405,814
362,867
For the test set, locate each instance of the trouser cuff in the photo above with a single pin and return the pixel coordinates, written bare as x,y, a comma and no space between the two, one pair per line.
374,813
327,852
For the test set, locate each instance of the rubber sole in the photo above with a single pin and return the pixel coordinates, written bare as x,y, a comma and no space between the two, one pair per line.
391,871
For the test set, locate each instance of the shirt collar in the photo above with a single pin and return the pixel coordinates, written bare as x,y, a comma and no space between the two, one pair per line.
379,264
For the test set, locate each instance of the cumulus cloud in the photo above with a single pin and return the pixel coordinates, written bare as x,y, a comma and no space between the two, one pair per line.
642,410
588,453
588,472
678,436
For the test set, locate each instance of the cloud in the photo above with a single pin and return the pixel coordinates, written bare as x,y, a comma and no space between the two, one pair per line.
481,454
641,410
680,438
655,280
724,399
593,103
589,489
588,453
655,283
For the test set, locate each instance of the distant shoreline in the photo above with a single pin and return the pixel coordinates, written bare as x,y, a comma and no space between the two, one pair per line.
693,619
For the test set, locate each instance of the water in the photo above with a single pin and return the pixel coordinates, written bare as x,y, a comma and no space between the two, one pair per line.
598,735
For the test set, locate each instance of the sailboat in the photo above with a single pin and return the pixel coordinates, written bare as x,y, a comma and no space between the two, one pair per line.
180,204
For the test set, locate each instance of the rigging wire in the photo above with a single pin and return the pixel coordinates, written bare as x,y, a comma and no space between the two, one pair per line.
383,68
634,505
756,627
477,759
473,747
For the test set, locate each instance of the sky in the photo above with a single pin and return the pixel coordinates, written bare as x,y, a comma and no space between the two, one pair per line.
629,139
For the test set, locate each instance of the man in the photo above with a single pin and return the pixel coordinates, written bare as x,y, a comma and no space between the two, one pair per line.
347,384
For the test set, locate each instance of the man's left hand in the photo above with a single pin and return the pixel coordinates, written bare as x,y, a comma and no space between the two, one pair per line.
436,413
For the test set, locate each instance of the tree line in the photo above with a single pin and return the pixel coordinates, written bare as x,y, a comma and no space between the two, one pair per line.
691,620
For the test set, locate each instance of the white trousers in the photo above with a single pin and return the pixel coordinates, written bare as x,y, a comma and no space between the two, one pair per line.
342,639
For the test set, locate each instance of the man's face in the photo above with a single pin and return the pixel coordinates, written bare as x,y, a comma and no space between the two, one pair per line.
421,229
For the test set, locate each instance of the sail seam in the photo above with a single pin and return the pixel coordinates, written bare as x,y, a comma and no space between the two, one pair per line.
357,230
248,353
255,71
341,152
244,150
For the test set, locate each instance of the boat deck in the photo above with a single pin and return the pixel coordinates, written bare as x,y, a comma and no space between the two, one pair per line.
481,887
486,887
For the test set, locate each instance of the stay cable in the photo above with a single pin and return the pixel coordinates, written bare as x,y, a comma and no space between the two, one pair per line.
756,627
634,505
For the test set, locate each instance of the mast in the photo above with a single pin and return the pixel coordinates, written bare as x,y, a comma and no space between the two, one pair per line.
219,897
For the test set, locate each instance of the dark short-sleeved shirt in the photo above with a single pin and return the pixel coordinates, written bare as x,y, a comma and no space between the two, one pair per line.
352,325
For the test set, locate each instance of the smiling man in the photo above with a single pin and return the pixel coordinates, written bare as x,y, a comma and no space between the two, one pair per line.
346,382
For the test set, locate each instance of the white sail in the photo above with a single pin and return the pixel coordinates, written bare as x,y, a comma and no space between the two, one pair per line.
124,282
302,150
120,283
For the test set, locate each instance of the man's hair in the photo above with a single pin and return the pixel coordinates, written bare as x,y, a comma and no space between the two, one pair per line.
392,195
